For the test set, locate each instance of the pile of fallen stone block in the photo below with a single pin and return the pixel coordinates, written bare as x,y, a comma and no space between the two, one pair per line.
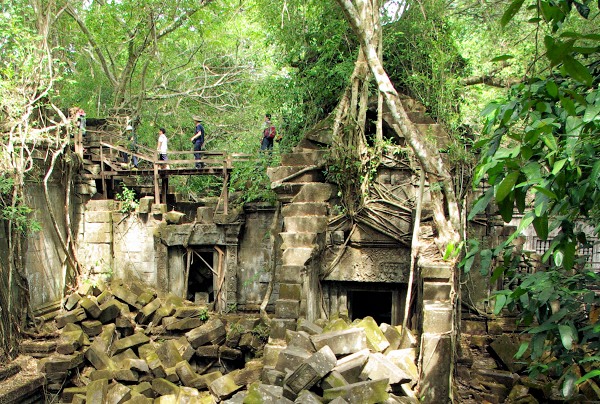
337,362
124,344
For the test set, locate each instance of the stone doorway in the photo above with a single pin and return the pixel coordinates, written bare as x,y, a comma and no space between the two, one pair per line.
200,282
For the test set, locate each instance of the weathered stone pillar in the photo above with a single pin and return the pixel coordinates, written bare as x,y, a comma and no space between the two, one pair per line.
437,354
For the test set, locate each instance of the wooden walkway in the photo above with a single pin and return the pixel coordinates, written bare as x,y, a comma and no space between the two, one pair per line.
109,157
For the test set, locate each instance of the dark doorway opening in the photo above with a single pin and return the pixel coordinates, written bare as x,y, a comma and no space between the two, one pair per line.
377,304
200,282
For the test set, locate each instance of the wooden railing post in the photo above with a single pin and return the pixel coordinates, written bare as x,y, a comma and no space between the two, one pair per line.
156,189
102,174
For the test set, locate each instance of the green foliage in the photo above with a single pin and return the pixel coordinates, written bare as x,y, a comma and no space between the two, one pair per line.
345,170
16,211
129,201
540,158
203,314
250,181
261,331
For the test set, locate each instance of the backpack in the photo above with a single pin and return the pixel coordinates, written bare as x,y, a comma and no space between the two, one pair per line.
270,132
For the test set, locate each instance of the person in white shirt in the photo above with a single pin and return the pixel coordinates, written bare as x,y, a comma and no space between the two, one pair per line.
162,146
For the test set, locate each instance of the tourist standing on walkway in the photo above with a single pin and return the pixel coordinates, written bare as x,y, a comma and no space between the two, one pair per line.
198,140
162,146
269,133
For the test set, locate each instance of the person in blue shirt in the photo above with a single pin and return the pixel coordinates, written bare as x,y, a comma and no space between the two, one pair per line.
198,141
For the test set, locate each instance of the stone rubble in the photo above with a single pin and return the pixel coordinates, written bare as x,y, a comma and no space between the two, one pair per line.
122,343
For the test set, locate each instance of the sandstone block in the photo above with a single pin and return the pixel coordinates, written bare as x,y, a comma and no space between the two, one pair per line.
309,327
375,338
203,381
351,366
271,354
148,310
405,360
212,331
174,217
368,392
91,327
145,205
437,318
286,308
97,392
308,397
379,366
73,316
223,387
291,358
183,324
72,301
300,339
110,310
279,326
164,387
118,394
343,342
59,363
208,351
312,370
291,291
229,353
70,341
333,380
392,335
132,341
125,295
168,354
185,349
98,357
249,374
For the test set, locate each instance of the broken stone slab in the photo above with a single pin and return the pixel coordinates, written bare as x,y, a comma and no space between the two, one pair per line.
271,354
91,306
185,349
122,357
343,342
69,342
69,392
249,374
109,311
98,358
309,327
203,381
300,339
91,327
333,380
171,375
208,351
73,316
379,366
212,331
265,393
72,301
376,340
223,387
164,387
351,366
367,392
186,374
125,295
168,354
143,388
97,391
132,341
337,324
291,358
145,204
229,353
312,370
272,376
250,342
405,360
308,397
279,326
155,365
392,335
58,363
143,316
118,394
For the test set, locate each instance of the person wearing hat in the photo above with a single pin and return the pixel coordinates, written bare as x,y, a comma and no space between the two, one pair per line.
198,140
132,138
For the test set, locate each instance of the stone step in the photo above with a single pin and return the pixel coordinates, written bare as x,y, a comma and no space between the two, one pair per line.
294,239
302,224
298,256
305,209
315,192
306,158
281,172
287,191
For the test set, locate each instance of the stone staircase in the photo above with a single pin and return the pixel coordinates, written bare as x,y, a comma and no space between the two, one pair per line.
304,196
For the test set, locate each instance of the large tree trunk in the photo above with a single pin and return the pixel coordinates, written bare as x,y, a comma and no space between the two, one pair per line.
362,17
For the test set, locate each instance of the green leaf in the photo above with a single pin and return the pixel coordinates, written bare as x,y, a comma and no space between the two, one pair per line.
506,208
499,305
552,89
588,375
558,165
522,349
566,335
558,257
482,203
505,187
510,12
576,70
542,328
591,113
569,255
550,141
502,58
486,260
491,107
540,224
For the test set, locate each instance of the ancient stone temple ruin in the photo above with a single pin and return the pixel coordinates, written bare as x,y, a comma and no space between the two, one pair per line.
262,303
